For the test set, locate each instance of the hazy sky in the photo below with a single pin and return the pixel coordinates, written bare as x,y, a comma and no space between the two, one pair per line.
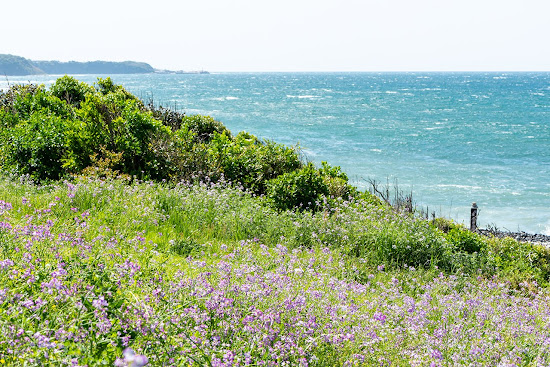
284,35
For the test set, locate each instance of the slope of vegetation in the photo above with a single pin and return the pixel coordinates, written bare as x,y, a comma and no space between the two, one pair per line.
17,65
127,229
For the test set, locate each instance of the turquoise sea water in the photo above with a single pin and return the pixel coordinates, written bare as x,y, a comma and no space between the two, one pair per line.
450,138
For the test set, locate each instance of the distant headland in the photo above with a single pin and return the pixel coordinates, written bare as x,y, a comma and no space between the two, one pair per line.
16,65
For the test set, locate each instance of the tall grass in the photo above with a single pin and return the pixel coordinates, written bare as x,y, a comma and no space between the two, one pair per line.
209,274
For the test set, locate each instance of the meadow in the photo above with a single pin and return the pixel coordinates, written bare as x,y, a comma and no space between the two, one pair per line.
257,259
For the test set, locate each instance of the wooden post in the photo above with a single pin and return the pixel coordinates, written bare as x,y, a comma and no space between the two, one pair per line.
473,218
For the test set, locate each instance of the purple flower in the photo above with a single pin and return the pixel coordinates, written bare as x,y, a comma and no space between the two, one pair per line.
4,264
131,359
99,303
436,354
380,317
5,206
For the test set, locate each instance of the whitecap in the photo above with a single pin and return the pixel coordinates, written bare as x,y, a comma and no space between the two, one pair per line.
228,98
305,96
467,187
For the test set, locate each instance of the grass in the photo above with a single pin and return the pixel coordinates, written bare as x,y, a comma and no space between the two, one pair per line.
209,274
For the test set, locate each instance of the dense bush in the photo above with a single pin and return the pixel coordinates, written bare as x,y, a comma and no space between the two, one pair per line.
204,127
71,90
303,189
519,261
250,161
51,134
76,129
36,148
464,240
120,125
336,181
460,237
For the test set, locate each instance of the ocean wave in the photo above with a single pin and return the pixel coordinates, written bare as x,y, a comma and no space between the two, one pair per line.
305,96
228,98
465,187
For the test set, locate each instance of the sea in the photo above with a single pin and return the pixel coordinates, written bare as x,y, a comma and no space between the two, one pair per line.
450,139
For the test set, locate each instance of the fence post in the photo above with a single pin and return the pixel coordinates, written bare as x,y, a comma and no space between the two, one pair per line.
473,218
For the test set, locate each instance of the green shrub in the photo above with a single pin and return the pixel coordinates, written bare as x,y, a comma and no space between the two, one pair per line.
107,86
16,92
185,159
35,147
520,261
119,124
336,181
168,117
48,138
204,127
71,90
459,236
442,224
247,160
301,189
29,100
33,125
464,240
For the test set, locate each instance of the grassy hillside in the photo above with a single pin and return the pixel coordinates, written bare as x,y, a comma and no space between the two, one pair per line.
163,235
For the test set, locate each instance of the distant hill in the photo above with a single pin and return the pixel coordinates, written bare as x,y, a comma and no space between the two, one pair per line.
94,67
16,65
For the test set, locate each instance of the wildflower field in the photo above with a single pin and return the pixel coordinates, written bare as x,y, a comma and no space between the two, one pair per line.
134,236
91,268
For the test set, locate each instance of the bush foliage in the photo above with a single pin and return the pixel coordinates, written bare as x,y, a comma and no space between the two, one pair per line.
74,128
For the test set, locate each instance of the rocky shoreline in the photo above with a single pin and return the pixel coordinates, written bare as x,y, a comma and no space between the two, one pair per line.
539,239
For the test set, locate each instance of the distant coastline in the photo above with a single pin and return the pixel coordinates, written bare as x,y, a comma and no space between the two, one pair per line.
11,65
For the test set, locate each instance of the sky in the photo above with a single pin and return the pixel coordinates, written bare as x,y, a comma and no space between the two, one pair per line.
285,35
